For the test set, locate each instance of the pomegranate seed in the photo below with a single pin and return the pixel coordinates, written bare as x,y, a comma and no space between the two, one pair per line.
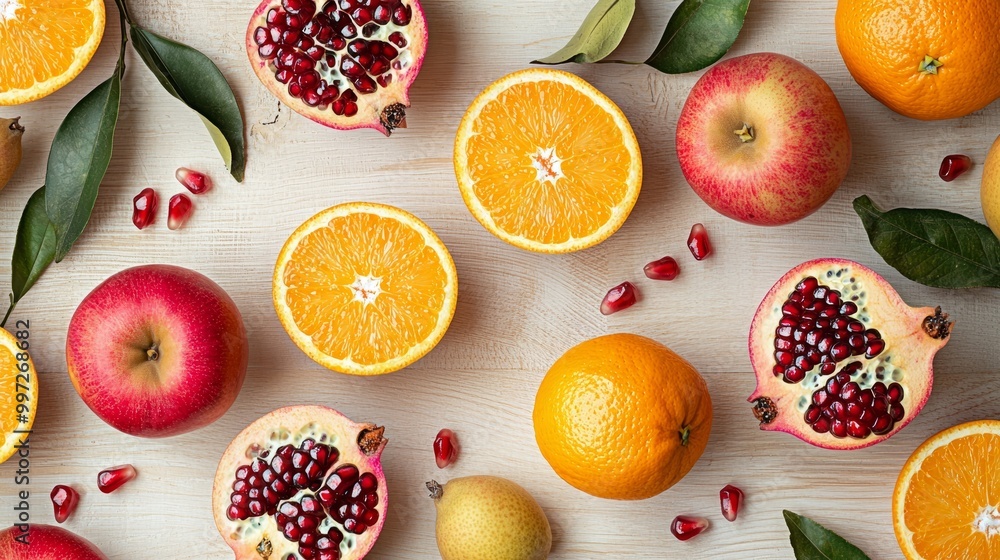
619,298
397,39
261,36
401,15
698,242
954,166
112,479
731,498
379,66
180,211
663,269
382,14
685,528
445,448
365,84
361,16
64,502
144,208
197,183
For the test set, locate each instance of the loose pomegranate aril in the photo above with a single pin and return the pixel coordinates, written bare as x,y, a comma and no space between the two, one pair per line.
112,479
619,298
144,208
197,183
445,448
731,497
685,527
699,243
663,269
954,166
64,502
179,211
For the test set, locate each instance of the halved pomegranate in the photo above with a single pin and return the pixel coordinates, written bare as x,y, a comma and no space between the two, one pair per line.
342,63
841,361
303,482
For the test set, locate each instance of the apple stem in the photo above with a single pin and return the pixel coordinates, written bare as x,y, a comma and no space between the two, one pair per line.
153,353
745,134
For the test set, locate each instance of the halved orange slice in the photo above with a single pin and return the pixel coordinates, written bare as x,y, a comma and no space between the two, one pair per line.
44,44
365,289
546,162
19,387
947,499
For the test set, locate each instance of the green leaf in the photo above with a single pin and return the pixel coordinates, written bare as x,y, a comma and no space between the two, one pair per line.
699,33
34,248
812,541
78,160
933,247
599,35
194,79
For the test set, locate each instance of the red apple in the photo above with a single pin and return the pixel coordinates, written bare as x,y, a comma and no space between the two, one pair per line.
763,140
157,351
45,542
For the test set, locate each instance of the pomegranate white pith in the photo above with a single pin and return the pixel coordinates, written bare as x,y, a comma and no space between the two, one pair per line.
257,533
343,63
896,366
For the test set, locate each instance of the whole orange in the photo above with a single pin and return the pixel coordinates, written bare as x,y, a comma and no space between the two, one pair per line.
622,417
926,59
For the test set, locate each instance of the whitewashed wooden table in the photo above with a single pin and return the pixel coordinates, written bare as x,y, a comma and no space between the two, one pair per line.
517,311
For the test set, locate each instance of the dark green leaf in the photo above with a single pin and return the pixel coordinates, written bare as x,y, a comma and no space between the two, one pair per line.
193,78
933,247
599,35
34,248
78,159
699,33
812,541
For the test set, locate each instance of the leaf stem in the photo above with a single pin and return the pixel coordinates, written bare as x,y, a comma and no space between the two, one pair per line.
631,62
123,16
123,10
9,309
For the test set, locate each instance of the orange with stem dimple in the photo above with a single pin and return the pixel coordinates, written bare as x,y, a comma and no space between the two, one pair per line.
946,503
44,44
364,288
926,59
622,417
546,162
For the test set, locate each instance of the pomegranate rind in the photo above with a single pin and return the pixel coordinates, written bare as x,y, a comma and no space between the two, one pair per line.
347,365
979,428
910,348
370,106
467,184
271,431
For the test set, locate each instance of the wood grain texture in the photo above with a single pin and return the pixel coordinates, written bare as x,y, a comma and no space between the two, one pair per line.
517,312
